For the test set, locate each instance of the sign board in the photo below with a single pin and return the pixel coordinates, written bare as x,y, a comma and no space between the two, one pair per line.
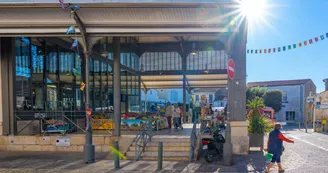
63,141
324,122
310,100
323,106
231,69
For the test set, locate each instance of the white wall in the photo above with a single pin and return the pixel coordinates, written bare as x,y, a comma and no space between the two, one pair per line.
294,102
153,95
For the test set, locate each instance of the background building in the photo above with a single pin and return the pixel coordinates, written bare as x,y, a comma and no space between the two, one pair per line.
322,99
294,106
216,96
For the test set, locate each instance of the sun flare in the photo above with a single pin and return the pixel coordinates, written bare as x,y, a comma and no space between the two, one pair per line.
253,9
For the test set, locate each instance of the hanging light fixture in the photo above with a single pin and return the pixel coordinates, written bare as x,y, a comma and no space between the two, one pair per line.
193,49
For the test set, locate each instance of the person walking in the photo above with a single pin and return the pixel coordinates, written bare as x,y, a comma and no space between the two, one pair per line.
275,147
176,117
169,114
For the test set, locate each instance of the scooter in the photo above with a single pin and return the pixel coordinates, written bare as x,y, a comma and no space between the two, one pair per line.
213,146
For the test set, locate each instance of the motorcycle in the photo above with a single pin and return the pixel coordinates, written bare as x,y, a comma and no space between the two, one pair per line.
213,146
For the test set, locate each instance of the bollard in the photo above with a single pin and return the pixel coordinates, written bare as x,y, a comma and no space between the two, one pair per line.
116,156
299,125
305,124
160,156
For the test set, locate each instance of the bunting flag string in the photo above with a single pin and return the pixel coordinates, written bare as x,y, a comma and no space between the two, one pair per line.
288,47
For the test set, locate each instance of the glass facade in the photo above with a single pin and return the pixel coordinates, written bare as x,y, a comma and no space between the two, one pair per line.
49,76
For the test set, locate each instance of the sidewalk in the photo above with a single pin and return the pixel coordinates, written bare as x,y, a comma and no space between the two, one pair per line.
73,162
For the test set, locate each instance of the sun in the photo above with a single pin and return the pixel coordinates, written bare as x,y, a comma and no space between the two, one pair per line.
253,9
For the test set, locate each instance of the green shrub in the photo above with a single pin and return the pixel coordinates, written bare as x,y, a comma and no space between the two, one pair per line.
258,124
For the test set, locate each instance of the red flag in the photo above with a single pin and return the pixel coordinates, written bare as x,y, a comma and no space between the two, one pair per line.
305,43
274,49
269,50
316,39
264,50
310,41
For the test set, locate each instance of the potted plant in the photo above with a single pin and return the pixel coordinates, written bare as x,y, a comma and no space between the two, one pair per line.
258,124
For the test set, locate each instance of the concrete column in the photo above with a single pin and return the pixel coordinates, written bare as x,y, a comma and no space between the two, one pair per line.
237,93
117,85
7,73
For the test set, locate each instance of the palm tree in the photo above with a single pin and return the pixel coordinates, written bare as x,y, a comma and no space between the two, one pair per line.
258,124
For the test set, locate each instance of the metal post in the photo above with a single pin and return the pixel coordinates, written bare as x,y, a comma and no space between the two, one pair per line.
305,124
116,156
227,152
89,148
117,86
160,156
184,99
313,123
145,100
299,125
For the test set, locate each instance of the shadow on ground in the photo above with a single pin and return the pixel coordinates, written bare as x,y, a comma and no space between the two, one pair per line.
73,162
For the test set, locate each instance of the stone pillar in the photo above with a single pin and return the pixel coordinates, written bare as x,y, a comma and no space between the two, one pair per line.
237,93
117,85
7,72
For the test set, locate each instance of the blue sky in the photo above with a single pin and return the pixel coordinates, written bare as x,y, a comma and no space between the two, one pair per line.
292,21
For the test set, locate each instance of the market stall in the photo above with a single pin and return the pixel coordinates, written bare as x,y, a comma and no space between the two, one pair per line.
131,121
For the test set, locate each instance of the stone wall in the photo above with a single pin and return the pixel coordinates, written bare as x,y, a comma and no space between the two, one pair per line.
48,143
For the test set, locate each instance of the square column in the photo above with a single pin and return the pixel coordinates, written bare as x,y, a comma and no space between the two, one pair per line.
237,93
7,72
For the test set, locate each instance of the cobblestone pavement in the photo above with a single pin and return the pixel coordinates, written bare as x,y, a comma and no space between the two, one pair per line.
308,154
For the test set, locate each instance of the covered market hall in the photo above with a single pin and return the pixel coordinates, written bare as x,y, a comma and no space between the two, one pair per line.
93,59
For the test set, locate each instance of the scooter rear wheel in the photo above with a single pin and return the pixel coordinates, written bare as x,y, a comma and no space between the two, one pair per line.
208,156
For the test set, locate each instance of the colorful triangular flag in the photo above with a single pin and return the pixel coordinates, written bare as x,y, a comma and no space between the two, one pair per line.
327,34
274,49
70,29
294,46
310,41
247,50
322,37
300,44
316,39
279,49
305,43
62,4
260,51
74,44
264,50
255,51
82,86
284,48
252,51
269,50
289,47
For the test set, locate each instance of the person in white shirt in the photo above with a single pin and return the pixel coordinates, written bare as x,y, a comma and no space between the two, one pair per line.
169,113
176,116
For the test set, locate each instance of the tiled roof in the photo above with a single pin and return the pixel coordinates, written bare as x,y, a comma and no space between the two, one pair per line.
278,83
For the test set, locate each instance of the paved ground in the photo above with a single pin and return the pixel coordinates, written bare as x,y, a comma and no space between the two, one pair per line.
308,154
